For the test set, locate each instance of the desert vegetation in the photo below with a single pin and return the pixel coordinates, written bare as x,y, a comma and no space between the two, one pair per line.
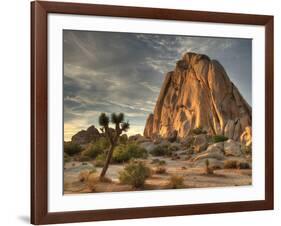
135,174
96,148
176,181
219,138
71,148
140,163
123,153
198,135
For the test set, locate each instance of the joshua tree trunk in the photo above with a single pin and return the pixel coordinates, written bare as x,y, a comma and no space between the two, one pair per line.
120,126
107,161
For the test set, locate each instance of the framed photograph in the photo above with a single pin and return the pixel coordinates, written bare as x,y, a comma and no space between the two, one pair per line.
146,112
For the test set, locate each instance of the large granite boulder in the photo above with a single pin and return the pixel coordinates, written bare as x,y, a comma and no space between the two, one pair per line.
232,148
198,94
200,142
214,151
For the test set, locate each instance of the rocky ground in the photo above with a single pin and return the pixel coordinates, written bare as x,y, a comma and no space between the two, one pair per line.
202,164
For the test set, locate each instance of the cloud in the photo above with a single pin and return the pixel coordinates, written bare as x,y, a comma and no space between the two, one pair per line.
154,89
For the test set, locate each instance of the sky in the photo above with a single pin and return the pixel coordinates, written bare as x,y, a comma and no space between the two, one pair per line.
123,72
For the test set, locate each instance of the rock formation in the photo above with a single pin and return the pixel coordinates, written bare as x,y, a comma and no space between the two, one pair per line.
86,136
199,94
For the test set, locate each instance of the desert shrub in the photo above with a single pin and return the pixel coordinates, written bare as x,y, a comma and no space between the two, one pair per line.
161,150
172,148
100,160
66,157
176,181
158,162
160,170
230,164
175,156
243,165
198,130
136,151
84,158
218,138
96,148
120,154
93,180
92,151
188,141
135,174
247,149
124,153
71,148
123,139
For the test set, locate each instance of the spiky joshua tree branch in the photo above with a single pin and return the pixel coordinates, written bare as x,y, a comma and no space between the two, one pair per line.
120,127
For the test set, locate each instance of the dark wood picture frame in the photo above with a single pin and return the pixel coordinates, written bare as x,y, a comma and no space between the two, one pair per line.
39,109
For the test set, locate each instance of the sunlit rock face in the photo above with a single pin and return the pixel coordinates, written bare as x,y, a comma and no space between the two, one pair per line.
198,93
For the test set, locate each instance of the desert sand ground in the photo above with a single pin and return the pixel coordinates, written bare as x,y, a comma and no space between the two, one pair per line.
194,176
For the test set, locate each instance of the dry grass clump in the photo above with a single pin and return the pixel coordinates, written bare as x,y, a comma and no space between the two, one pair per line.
247,150
216,167
243,165
230,164
176,181
94,179
234,164
84,174
158,162
160,170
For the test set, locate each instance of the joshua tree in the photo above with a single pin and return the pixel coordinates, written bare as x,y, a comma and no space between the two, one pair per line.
112,135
